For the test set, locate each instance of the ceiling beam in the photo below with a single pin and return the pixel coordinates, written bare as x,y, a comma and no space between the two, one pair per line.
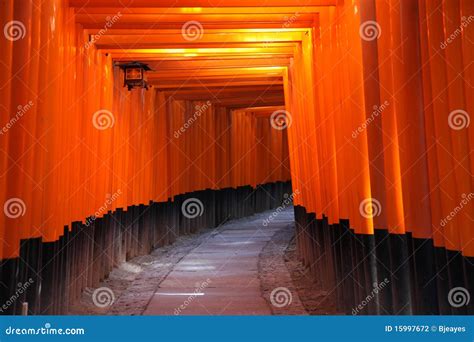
217,63
191,11
200,3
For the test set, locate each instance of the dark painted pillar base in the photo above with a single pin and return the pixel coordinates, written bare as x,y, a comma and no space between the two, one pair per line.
457,283
86,253
384,274
382,252
426,294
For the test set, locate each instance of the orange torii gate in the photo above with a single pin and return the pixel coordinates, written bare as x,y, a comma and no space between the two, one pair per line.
374,98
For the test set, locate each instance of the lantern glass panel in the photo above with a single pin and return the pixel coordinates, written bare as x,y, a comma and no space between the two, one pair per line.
133,74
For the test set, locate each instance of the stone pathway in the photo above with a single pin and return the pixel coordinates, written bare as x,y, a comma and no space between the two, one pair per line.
221,275
235,269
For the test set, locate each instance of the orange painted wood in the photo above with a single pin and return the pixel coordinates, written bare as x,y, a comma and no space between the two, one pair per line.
202,126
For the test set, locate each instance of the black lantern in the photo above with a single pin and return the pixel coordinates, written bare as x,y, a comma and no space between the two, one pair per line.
134,74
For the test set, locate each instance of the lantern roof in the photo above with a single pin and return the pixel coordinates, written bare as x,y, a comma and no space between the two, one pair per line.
135,64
